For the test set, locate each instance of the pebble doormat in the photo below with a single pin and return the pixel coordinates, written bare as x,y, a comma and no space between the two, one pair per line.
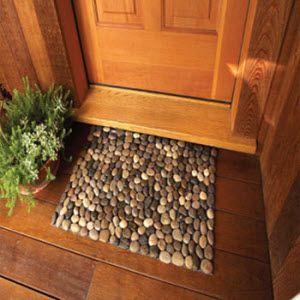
150,195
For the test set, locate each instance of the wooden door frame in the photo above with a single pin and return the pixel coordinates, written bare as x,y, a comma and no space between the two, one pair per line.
257,57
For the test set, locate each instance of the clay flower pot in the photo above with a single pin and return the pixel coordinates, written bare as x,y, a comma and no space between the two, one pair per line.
40,184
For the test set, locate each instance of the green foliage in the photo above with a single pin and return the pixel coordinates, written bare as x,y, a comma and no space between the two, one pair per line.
33,128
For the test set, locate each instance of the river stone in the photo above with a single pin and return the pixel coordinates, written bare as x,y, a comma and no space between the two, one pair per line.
134,236
66,224
210,213
210,224
206,266
165,219
94,235
134,247
208,252
189,262
177,178
161,245
141,230
154,251
165,257
210,237
83,231
177,235
202,241
177,259
75,228
148,222
123,224
152,240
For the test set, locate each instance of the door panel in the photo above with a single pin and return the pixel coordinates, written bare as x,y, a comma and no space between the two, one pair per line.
171,46
118,12
191,15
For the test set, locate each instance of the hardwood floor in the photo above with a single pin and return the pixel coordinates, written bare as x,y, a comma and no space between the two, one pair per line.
43,261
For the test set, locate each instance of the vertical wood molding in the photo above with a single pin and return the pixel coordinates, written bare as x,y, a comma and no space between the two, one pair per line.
73,49
262,43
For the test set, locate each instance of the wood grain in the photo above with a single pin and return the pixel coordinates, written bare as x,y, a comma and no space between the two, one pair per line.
10,290
280,159
36,44
287,228
239,166
168,116
280,163
33,45
15,59
73,49
240,198
264,33
113,283
286,283
49,269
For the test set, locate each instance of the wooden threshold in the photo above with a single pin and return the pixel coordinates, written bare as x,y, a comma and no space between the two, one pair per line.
176,117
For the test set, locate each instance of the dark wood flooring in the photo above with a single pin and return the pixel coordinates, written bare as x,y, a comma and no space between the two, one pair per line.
39,261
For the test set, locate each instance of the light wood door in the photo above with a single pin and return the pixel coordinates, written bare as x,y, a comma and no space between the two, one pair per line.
185,47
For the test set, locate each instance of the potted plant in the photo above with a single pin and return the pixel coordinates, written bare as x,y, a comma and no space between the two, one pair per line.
33,128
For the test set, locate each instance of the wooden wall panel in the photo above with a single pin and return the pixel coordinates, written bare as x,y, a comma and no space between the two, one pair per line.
287,228
15,59
281,132
287,283
265,30
33,44
280,163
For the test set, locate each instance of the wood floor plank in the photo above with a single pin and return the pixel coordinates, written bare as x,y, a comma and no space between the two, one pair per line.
55,189
10,290
235,276
242,236
240,198
46,268
113,283
238,166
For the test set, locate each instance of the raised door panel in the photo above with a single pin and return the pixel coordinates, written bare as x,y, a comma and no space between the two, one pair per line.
118,13
191,15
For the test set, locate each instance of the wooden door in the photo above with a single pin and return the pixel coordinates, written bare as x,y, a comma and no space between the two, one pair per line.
185,47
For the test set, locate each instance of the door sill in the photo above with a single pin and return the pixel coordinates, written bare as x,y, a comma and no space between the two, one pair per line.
175,117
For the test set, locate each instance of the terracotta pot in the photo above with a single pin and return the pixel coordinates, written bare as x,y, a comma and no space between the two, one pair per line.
40,184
